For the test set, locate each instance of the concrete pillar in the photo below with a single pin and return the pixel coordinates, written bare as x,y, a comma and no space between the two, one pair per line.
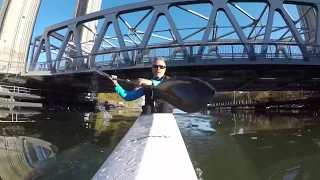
89,33
16,161
17,20
309,22
89,30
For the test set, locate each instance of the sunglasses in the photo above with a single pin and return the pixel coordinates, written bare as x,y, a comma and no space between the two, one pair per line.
158,66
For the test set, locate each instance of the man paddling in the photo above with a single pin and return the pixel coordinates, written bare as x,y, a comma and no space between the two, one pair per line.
153,102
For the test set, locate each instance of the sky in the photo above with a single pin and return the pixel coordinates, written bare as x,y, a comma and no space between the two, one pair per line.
54,11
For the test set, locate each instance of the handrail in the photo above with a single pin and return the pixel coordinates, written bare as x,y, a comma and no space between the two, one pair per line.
199,44
18,89
11,62
232,51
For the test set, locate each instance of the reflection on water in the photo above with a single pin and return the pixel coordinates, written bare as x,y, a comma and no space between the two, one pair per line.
16,115
222,145
250,146
20,155
60,145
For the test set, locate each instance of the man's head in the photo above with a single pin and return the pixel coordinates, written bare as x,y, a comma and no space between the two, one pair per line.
158,67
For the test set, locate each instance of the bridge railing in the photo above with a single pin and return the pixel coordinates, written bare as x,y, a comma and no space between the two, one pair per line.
22,90
11,67
231,103
212,53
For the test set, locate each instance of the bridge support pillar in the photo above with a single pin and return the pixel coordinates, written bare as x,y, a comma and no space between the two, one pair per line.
17,19
87,31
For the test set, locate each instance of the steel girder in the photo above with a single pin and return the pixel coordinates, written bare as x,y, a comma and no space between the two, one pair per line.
251,46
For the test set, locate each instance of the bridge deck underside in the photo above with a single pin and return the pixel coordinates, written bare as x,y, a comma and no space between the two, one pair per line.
223,78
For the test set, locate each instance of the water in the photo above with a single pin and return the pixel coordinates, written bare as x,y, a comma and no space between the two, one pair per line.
60,145
258,147
222,145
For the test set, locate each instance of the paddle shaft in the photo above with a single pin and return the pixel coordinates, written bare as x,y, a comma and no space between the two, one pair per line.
118,79
123,80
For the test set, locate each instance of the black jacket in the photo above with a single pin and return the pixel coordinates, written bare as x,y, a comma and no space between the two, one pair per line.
154,103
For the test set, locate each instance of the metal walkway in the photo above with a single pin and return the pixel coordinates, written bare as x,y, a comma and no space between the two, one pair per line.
18,97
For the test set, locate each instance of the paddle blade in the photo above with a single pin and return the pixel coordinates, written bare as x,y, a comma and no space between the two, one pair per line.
187,94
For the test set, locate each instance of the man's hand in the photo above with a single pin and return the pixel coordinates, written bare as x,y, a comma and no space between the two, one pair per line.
113,78
143,82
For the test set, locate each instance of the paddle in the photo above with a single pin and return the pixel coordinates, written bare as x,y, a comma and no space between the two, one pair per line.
185,93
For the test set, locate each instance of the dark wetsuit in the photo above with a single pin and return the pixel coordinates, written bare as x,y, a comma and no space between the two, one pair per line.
154,103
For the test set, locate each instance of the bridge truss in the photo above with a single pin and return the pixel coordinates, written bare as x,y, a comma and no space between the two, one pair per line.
123,41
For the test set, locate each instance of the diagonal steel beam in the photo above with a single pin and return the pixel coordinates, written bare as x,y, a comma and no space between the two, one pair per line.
244,84
293,30
130,28
268,30
293,82
62,50
256,21
238,30
241,10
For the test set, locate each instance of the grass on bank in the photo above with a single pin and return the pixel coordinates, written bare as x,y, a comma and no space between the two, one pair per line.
114,98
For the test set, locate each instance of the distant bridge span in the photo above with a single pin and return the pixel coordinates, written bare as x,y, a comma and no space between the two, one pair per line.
62,51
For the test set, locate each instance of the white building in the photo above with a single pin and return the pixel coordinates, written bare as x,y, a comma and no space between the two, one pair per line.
17,20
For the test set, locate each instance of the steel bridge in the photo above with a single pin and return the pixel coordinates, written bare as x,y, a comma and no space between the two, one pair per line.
252,53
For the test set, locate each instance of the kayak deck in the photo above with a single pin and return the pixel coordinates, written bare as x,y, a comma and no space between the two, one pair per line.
152,149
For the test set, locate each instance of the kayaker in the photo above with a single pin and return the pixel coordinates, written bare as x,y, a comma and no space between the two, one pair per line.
153,102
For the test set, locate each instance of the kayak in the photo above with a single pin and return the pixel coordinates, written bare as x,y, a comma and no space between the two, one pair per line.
152,149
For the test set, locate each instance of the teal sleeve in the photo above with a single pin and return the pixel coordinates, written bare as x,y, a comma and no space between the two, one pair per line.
129,95
155,83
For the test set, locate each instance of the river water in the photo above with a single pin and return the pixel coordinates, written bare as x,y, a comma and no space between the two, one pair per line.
222,145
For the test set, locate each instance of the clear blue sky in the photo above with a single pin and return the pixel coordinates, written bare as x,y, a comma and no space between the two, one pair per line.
55,11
